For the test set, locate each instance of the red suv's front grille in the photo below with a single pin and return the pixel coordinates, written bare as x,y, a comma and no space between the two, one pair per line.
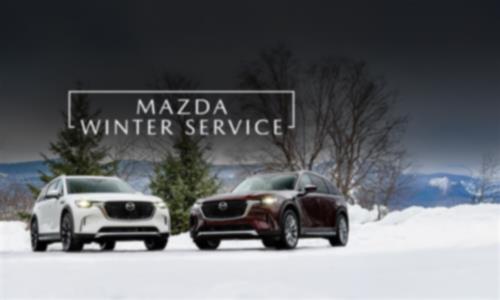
222,209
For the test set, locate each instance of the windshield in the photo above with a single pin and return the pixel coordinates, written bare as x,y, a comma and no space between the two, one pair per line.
268,182
97,185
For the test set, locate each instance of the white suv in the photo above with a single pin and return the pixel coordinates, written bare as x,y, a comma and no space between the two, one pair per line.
81,209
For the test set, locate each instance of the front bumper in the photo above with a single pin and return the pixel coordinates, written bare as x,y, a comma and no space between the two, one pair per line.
257,222
93,221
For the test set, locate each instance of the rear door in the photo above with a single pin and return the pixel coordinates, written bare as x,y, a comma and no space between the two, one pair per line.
308,204
52,206
326,203
42,212
337,199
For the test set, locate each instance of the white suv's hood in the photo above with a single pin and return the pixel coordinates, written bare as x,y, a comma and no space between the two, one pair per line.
115,197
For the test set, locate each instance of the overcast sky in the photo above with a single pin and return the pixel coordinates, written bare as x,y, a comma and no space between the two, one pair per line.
443,58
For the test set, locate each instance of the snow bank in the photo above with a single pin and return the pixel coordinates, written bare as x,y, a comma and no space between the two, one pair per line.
359,215
14,236
432,228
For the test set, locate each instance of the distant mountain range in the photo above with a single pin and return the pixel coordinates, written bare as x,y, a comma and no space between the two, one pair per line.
438,189
427,190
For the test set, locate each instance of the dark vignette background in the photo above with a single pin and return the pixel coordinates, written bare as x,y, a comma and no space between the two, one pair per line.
443,57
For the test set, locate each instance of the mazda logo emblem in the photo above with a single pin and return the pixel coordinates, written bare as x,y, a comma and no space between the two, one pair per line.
222,205
130,206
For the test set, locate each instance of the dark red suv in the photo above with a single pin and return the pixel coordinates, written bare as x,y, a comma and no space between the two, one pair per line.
277,208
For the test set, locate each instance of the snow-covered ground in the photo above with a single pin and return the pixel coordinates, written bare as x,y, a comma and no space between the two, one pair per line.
414,253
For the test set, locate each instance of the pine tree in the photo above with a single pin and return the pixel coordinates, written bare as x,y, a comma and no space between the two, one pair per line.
75,152
181,178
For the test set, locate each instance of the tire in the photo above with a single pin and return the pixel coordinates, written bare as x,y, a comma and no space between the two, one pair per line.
156,244
36,244
269,242
107,245
70,242
289,236
207,244
342,232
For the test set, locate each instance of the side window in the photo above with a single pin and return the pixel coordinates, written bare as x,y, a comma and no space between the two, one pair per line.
42,193
320,184
59,186
304,181
54,187
331,187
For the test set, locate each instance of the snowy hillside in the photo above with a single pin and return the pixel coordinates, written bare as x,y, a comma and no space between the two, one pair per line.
439,189
414,253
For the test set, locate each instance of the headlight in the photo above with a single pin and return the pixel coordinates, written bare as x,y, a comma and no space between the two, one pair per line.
269,200
83,203
161,204
196,206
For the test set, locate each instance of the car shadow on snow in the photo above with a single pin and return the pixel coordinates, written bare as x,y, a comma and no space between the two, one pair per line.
194,250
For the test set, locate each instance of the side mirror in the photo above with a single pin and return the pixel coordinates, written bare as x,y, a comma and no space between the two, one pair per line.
52,194
310,188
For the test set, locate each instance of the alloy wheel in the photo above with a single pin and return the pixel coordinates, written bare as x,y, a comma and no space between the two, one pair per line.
36,244
34,234
66,232
291,230
343,230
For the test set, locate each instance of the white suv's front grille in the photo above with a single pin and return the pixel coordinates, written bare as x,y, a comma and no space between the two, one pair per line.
129,210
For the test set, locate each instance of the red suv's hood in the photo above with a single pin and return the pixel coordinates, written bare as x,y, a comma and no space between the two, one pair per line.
251,196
